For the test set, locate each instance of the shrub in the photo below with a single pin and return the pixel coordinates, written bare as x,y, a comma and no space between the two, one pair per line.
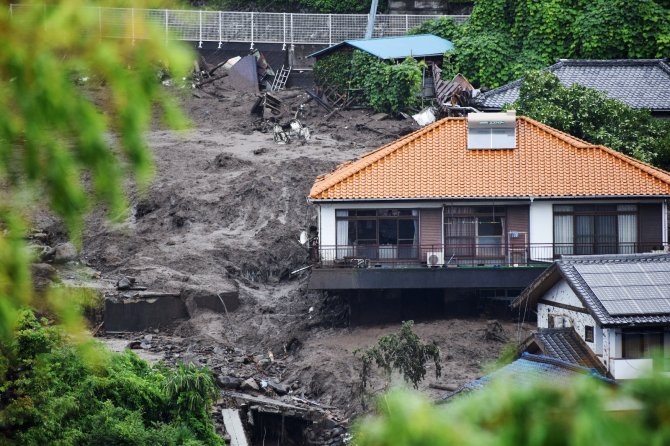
50,394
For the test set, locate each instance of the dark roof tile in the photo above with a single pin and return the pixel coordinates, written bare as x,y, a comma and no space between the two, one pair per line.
640,83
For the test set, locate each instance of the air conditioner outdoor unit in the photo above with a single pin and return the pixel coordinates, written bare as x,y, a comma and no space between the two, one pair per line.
435,258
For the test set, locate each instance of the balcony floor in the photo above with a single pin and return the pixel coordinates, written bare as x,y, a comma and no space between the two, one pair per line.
424,278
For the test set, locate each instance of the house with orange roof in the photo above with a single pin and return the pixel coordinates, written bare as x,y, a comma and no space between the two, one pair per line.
484,202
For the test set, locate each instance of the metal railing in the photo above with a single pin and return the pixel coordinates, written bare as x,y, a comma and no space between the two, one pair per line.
251,27
470,254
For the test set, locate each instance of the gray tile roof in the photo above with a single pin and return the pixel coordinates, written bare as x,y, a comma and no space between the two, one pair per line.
565,344
640,83
618,289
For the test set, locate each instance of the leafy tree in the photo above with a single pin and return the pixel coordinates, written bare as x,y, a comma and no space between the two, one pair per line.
539,414
444,27
590,115
503,39
403,352
50,395
54,148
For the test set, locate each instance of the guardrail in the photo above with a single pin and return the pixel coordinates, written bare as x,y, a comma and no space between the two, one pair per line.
466,254
252,27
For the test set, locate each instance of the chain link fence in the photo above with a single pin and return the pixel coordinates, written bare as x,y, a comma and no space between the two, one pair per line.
252,27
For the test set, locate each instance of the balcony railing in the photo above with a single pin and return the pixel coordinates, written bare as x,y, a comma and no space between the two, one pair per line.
471,254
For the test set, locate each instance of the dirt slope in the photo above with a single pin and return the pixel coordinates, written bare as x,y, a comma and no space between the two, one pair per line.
224,212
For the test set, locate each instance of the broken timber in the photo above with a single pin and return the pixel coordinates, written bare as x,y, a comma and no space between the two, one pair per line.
233,424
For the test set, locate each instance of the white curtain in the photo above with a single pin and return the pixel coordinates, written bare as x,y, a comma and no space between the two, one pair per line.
627,233
343,248
563,234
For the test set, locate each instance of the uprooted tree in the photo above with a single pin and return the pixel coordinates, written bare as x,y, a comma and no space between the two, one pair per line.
403,352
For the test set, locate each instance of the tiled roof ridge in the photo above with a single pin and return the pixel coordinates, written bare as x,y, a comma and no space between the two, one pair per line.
584,292
661,63
647,168
560,363
393,37
610,62
614,258
565,137
347,169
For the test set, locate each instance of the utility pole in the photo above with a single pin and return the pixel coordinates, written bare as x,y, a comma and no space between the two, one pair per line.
371,19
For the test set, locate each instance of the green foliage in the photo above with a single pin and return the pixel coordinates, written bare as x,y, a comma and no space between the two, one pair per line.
403,352
444,27
588,114
503,39
334,70
386,86
50,395
539,414
55,148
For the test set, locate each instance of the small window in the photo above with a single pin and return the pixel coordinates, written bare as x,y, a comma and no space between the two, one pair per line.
588,333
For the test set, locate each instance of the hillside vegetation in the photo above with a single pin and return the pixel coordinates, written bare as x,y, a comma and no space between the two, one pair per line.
504,39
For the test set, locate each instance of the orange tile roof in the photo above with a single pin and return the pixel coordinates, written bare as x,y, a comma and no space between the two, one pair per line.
434,162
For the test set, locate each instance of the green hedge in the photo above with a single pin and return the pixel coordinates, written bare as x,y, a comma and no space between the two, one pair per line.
52,392
385,86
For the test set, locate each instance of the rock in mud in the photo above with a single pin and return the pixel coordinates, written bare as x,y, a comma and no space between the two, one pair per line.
64,252
229,382
249,384
43,275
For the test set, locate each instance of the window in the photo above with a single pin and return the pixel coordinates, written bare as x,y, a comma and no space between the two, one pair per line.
378,233
638,345
471,232
588,333
595,229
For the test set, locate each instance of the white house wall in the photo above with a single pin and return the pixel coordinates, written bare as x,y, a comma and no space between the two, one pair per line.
561,293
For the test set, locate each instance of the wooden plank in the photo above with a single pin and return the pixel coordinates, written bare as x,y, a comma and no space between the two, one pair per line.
231,419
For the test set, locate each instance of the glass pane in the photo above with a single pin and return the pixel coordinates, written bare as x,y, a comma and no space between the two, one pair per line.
627,208
459,226
406,229
627,233
406,212
367,229
366,213
584,234
606,234
563,234
632,346
489,226
459,247
352,234
388,232
563,208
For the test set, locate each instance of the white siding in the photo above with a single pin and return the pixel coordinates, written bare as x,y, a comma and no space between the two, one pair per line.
561,293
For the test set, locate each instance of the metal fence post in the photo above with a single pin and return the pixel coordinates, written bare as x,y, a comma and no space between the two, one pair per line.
220,36
167,28
330,29
284,29
200,28
252,30
291,30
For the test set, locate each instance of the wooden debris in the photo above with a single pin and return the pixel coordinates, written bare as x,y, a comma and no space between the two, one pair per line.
233,424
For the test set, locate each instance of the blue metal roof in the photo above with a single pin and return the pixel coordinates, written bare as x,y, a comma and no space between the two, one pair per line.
529,369
421,45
